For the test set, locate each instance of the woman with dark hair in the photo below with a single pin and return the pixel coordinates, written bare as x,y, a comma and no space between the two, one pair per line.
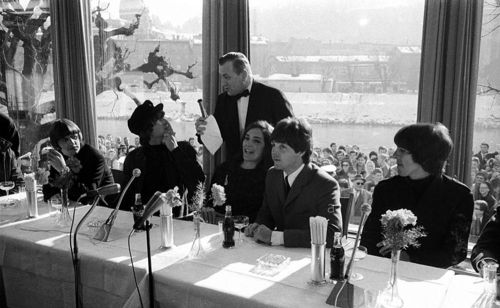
164,162
243,177
443,205
73,162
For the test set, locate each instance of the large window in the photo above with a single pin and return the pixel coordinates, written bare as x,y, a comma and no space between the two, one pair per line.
145,50
26,79
486,166
350,67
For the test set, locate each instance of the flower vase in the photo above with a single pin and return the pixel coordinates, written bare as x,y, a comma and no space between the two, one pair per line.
197,250
64,218
389,298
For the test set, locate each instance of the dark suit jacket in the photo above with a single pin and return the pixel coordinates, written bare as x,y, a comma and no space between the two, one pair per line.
94,174
444,210
488,244
313,193
265,103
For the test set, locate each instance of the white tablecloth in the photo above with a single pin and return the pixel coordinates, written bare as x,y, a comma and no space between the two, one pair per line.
36,268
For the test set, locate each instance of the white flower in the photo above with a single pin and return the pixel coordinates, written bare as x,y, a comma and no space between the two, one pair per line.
173,197
218,195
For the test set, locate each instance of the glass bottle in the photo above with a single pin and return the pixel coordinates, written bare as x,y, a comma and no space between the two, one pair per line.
228,228
138,210
337,258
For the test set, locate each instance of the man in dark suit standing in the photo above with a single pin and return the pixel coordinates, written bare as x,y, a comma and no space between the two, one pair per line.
483,155
243,101
487,249
295,190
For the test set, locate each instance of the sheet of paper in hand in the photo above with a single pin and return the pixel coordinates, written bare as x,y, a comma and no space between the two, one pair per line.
212,138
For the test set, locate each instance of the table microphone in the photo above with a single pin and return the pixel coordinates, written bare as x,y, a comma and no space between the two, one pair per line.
365,211
103,232
153,205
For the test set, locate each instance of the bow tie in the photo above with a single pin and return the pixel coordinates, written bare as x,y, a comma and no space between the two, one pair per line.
242,94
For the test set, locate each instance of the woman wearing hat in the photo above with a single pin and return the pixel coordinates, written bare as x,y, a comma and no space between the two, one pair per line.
74,162
9,150
442,205
164,162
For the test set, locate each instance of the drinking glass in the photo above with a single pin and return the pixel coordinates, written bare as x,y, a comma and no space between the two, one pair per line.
6,186
56,202
240,222
361,253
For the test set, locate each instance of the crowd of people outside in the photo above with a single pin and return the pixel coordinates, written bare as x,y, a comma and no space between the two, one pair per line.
485,175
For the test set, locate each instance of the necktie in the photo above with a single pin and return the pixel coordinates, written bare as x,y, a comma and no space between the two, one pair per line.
287,186
242,94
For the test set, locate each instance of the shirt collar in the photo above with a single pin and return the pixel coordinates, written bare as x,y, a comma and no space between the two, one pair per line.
292,176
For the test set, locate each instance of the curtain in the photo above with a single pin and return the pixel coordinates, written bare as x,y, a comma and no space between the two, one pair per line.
225,28
448,74
73,64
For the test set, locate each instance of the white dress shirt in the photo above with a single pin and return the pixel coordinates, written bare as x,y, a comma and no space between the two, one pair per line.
243,109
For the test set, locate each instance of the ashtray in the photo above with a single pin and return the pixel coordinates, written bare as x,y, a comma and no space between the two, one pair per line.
270,264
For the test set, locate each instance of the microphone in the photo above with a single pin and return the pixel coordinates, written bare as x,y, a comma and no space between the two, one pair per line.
202,108
365,211
103,233
135,174
153,205
103,191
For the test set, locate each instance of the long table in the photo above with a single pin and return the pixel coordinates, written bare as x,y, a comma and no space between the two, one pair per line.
36,271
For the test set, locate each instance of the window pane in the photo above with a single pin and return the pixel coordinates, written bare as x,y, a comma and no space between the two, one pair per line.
26,79
150,50
351,67
486,166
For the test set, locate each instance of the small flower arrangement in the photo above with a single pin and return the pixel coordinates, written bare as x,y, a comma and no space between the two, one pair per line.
198,199
400,230
218,195
42,176
173,197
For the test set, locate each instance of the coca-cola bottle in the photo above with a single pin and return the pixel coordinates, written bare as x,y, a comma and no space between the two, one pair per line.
138,210
337,258
228,228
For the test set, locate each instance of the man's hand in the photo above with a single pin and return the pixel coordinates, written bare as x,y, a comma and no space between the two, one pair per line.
201,125
209,215
170,142
74,164
250,230
56,160
263,234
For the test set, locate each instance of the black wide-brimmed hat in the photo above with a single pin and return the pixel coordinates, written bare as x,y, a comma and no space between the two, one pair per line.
143,115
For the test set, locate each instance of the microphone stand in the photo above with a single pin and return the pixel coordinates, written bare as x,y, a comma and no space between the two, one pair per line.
76,260
105,229
150,267
337,290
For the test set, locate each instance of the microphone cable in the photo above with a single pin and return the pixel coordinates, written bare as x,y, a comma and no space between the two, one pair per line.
133,267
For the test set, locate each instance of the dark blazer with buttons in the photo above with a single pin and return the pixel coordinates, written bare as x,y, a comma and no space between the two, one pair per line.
313,193
488,244
265,103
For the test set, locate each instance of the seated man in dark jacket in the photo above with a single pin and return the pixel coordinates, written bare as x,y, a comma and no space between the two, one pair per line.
164,163
487,249
295,190
443,205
